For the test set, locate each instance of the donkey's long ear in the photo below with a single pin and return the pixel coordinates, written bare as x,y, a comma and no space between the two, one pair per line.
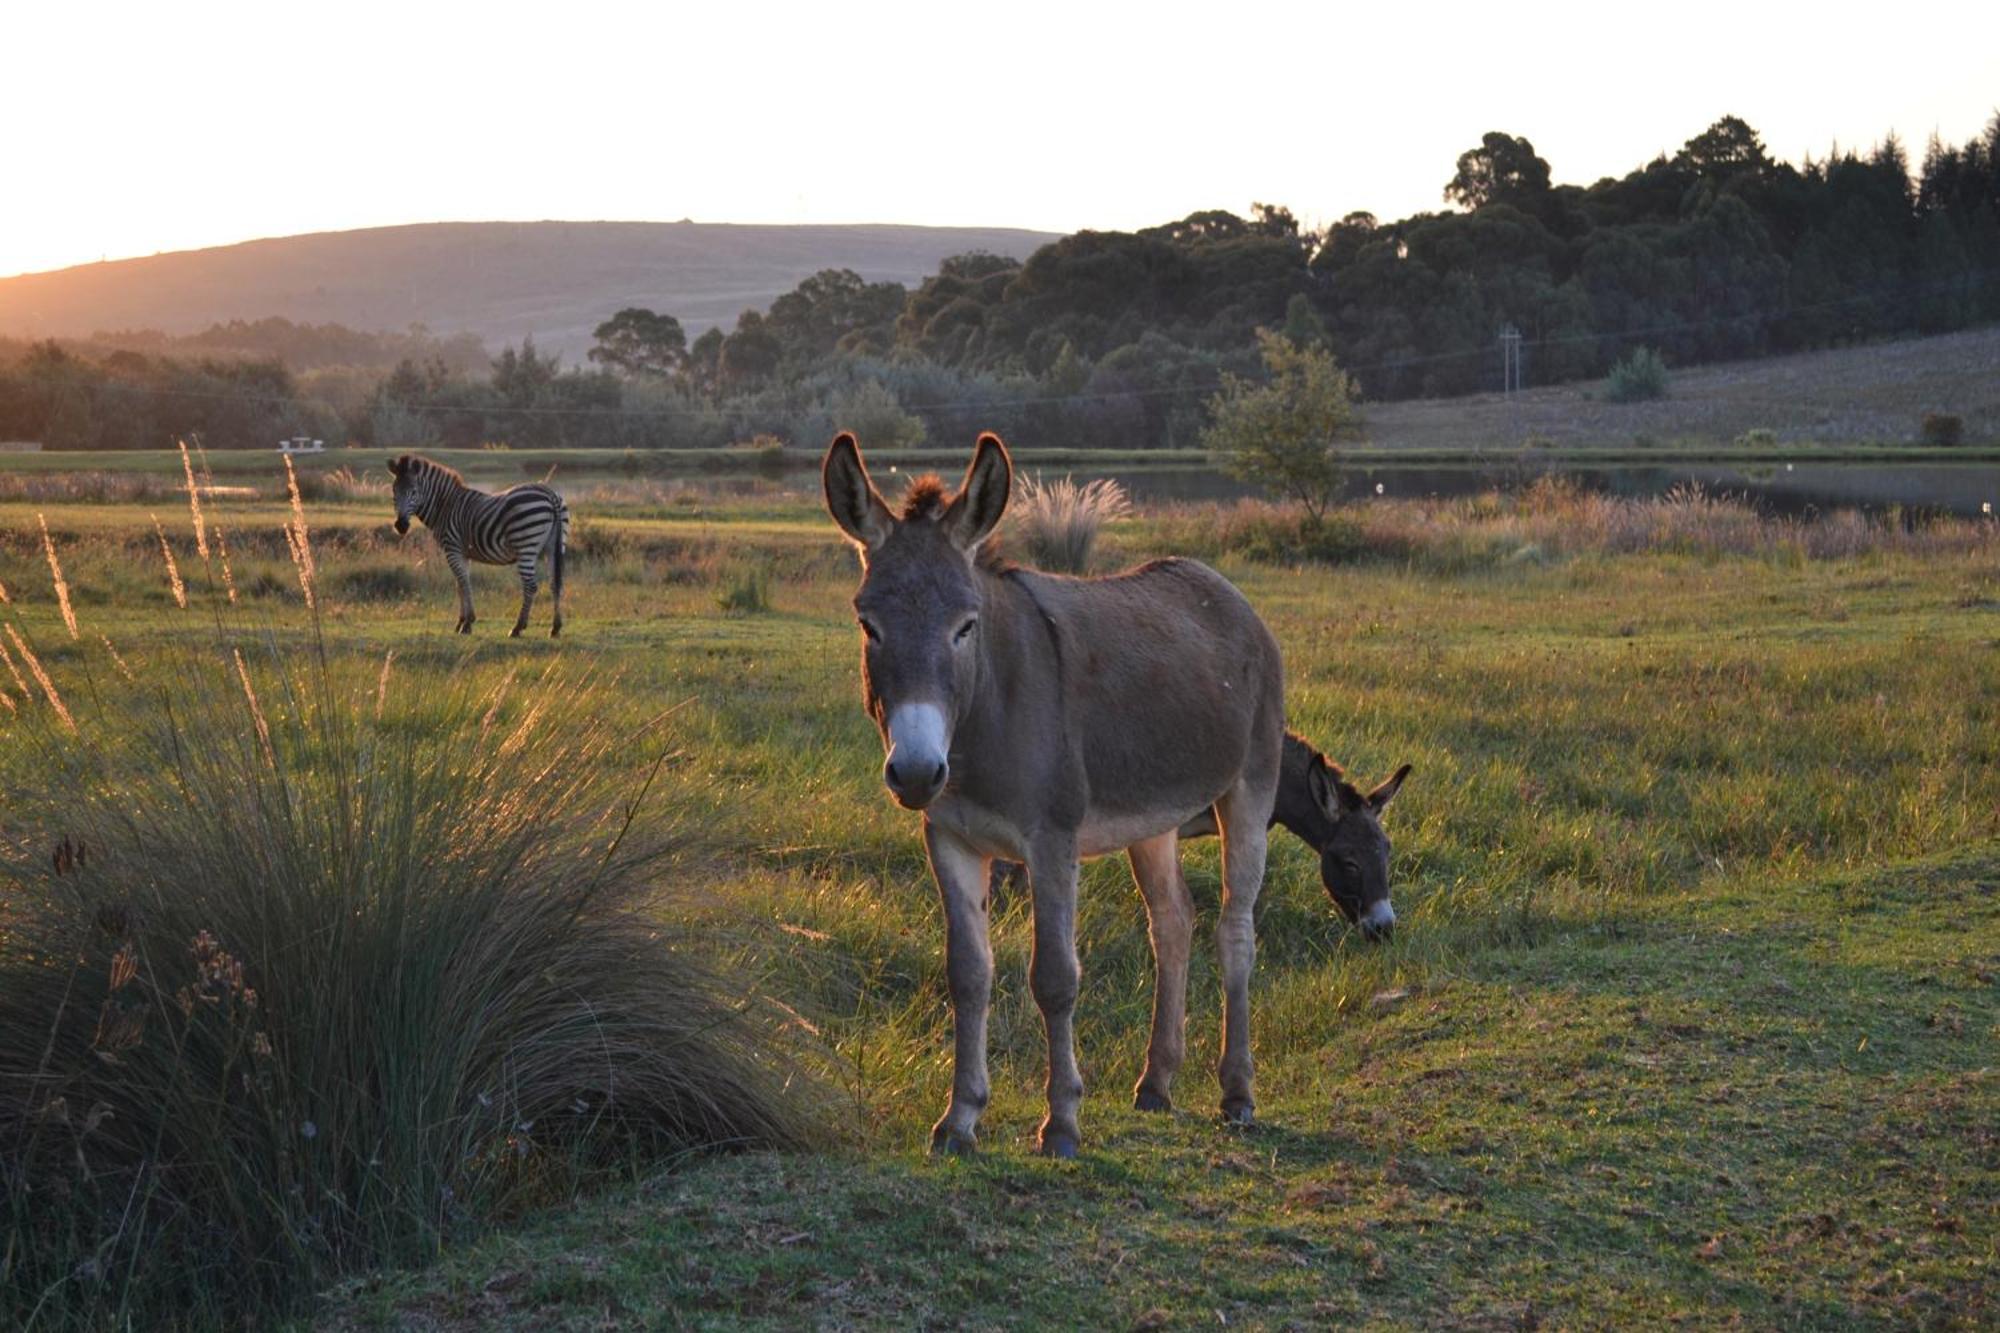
1319,786
983,498
851,498
1386,793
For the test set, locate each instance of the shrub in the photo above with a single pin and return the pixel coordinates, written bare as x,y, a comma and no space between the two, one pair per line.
323,971
1284,434
1942,428
872,412
748,591
1055,524
1757,437
1640,376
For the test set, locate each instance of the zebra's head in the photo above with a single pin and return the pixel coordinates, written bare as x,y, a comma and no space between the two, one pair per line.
407,469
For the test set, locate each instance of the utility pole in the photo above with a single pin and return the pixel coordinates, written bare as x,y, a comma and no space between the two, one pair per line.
1510,359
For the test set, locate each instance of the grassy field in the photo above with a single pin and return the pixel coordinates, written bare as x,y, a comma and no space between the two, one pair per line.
1692,1013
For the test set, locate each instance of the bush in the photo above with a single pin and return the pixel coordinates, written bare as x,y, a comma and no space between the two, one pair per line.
1757,437
323,971
747,592
1055,525
1942,428
1640,376
1284,434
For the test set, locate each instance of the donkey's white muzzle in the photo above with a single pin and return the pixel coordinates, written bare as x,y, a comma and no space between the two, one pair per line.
1379,921
919,755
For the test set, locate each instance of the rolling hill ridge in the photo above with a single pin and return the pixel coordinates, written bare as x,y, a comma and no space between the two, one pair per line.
554,281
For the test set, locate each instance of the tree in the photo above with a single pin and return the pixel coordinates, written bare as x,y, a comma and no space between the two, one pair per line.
1284,434
1502,170
1726,149
637,342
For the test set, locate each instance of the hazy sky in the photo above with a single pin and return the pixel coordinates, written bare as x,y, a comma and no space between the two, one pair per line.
134,128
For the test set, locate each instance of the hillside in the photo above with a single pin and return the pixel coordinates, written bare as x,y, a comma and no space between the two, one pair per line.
1875,393
500,280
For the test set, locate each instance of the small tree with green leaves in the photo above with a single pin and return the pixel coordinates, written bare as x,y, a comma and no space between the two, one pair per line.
1285,433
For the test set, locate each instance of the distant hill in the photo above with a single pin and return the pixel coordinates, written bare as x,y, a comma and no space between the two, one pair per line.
500,280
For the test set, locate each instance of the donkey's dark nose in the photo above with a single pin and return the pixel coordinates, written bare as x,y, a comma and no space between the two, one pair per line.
914,783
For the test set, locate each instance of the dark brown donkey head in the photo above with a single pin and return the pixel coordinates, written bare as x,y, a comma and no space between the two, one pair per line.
918,604
1354,851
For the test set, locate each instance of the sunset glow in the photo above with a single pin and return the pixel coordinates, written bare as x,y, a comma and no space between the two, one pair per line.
148,128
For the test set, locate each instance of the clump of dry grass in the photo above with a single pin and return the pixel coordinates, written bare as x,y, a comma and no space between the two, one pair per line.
1055,525
41,676
1554,518
315,980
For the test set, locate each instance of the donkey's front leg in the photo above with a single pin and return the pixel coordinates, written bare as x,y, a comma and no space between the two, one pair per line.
968,961
1055,976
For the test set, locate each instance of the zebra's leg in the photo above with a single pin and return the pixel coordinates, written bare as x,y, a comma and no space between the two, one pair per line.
456,559
557,540
525,566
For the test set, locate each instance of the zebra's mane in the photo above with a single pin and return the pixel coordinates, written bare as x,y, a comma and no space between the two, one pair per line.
448,473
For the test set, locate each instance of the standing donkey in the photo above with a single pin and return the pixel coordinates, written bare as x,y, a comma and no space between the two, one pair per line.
1045,718
516,527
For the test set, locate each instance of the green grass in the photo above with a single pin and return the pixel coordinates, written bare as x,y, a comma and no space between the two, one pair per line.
1692,1012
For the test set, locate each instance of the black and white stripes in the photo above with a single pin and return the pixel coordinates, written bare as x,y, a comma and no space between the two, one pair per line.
516,527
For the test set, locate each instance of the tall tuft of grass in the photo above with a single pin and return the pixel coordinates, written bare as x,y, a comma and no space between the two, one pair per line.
747,591
1054,525
173,570
303,974
194,503
56,574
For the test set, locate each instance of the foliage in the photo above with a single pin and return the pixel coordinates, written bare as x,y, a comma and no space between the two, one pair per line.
1942,428
1284,434
636,341
1640,376
871,411
330,966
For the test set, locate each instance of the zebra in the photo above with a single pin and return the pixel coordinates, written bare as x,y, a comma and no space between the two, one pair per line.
516,527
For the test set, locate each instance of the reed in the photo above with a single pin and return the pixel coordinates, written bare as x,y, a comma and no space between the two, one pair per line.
56,573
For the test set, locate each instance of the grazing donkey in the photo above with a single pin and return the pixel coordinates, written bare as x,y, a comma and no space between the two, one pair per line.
516,527
1332,816
1046,718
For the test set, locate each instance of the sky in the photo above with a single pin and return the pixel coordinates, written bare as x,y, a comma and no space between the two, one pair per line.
139,128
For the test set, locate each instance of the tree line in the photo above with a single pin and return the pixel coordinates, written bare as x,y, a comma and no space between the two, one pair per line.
1714,252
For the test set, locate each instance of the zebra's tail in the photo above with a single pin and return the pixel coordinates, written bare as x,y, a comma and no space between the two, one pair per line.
561,543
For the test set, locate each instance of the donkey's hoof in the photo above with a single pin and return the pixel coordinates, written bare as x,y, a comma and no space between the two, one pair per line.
947,1142
1055,1143
1145,1099
556,633
515,633
1239,1111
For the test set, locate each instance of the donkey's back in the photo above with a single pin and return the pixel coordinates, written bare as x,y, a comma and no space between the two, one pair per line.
1172,689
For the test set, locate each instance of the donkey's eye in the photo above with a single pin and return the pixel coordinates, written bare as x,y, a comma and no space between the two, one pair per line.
959,635
868,628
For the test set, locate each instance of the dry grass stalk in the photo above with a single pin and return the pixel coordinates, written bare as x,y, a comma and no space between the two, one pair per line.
194,503
382,684
55,569
228,580
19,682
41,677
5,600
116,660
173,570
302,552
256,709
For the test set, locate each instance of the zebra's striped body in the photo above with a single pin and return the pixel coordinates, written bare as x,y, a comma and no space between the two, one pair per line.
516,527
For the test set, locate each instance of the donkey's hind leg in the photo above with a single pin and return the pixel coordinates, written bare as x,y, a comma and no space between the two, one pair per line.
1156,868
1243,814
